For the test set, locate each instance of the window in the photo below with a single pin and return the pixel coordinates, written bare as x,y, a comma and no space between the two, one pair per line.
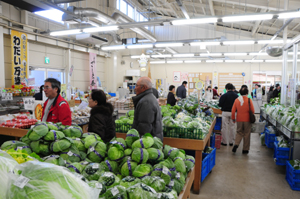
127,9
130,12
123,6
38,75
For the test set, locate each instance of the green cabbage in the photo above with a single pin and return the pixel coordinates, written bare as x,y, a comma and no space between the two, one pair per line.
170,165
189,162
163,172
38,131
128,152
40,147
98,185
53,135
179,165
109,179
117,141
52,126
170,152
127,168
141,191
140,155
116,152
142,170
155,155
16,145
71,155
97,151
129,181
131,136
76,167
73,131
111,166
157,143
55,159
61,145
79,144
117,192
25,139
90,139
93,171
155,182
145,142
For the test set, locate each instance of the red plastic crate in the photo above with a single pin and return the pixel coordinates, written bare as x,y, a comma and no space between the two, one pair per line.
218,140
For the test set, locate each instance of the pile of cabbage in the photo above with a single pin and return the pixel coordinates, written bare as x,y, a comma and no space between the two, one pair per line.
124,123
137,167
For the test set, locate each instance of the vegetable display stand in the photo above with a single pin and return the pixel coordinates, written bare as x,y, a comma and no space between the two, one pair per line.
218,140
17,133
186,191
189,144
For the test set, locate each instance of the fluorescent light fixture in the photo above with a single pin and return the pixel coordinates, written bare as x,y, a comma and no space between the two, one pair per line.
235,54
234,61
291,53
143,41
194,21
270,41
214,61
137,46
101,29
161,56
168,44
183,55
53,14
205,43
238,42
138,56
157,62
175,62
65,32
289,15
273,60
118,47
259,54
247,18
254,60
192,61
210,54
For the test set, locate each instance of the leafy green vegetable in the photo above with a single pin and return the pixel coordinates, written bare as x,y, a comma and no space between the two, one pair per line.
40,147
170,152
145,142
38,131
129,181
131,136
73,131
157,143
155,155
142,170
98,185
189,162
61,145
116,153
179,165
97,151
76,167
16,145
155,182
55,159
71,155
163,172
128,167
90,139
116,193
128,152
53,135
79,144
109,179
141,191
140,155
111,166
93,171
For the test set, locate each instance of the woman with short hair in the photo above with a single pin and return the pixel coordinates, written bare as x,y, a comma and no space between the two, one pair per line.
171,97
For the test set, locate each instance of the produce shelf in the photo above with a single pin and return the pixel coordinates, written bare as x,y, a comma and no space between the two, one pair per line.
186,191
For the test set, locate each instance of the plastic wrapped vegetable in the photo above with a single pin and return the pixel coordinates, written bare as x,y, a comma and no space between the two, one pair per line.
145,142
155,155
61,145
53,135
73,131
116,193
142,170
189,162
55,159
98,185
44,180
140,155
40,147
170,152
93,171
155,182
170,165
76,167
71,155
178,186
97,151
163,172
141,191
109,179
128,167
129,181
15,145
110,166
131,136
38,131
90,138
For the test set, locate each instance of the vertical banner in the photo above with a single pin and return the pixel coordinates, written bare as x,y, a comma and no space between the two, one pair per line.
93,69
19,57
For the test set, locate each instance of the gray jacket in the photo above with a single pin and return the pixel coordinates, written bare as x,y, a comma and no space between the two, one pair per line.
147,115
181,92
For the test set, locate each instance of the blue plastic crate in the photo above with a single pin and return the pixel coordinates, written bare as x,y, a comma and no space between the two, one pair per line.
281,160
212,140
212,159
271,140
218,124
205,167
281,151
266,138
292,174
112,94
294,185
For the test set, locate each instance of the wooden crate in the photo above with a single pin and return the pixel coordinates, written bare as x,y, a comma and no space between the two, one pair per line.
216,111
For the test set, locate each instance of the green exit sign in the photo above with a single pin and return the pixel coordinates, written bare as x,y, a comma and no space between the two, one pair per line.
47,60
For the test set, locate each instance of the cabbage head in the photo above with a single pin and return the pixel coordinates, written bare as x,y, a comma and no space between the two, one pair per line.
98,185
73,131
155,182
97,151
145,142
131,136
178,186
157,143
53,135
90,139
40,147
109,179
61,145
38,131
129,181
189,162
117,141
16,145
71,155
54,159
76,167
116,192
140,155
116,153
141,191
52,126
170,152
163,172
155,155
128,167
110,166
128,152
93,171
79,144
179,165
142,170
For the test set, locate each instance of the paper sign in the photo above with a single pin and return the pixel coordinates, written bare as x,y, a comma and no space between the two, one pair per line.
176,76
7,96
83,105
29,103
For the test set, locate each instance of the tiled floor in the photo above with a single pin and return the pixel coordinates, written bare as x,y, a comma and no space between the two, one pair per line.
252,176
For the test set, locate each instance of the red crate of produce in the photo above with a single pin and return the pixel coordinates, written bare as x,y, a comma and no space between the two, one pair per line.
218,140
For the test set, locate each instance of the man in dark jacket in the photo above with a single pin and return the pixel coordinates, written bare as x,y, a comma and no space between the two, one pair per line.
277,91
228,127
147,115
181,90
39,96
155,93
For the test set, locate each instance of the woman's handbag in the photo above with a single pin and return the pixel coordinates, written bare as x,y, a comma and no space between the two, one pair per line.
252,116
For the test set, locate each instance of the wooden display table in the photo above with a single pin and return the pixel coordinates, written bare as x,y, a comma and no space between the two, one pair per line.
17,133
186,191
189,144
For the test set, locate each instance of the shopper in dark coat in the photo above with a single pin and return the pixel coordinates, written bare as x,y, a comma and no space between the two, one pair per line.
171,98
155,93
147,115
270,94
277,91
101,120
181,90
39,96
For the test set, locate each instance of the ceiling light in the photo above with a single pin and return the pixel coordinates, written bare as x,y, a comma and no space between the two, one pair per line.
192,61
238,42
234,61
101,29
254,60
235,54
157,62
204,43
194,21
175,62
118,47
210,54
183,55
291,53
137,46
138,56
289,15
161,56
273,60
259,54
168,44
214,61
65,32
247,18
270,41
143,69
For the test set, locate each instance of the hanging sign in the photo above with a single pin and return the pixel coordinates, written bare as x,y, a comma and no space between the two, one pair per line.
19,57
143,60
93,78
176,76
7,96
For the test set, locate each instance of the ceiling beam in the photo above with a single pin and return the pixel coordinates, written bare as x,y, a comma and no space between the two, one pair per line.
257,23
211,7
253,4
203,9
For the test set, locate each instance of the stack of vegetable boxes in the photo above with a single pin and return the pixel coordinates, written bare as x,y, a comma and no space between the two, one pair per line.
269,139
208,163
217,130
292,177
281,154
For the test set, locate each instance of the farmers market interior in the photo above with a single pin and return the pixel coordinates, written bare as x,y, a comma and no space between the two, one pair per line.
142,99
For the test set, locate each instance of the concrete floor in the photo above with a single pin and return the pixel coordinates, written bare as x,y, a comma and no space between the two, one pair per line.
252,176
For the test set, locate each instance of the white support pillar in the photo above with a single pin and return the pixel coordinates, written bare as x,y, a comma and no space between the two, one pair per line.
294,75
283,77
2,63
67,72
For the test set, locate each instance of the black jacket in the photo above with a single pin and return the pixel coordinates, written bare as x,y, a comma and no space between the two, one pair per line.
171,99
227,101
181,92
38,96
155,92
101,122
147,115
276,92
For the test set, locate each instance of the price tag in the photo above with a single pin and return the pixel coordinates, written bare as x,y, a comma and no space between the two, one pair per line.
29,103
92,149
19,148
159,195
7,96
171,184
95,166
99,185
70,153
21,181
165,170
85,162
78,139
109,174
114,191
177,175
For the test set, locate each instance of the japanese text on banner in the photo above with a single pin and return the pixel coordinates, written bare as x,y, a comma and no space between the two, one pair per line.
19,57
93,70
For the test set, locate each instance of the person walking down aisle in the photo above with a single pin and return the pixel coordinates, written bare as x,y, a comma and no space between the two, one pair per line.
147,115
215,92
270,94
171,98
242,107
242,88
277,91
101,120
181,90
226,102
56,108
